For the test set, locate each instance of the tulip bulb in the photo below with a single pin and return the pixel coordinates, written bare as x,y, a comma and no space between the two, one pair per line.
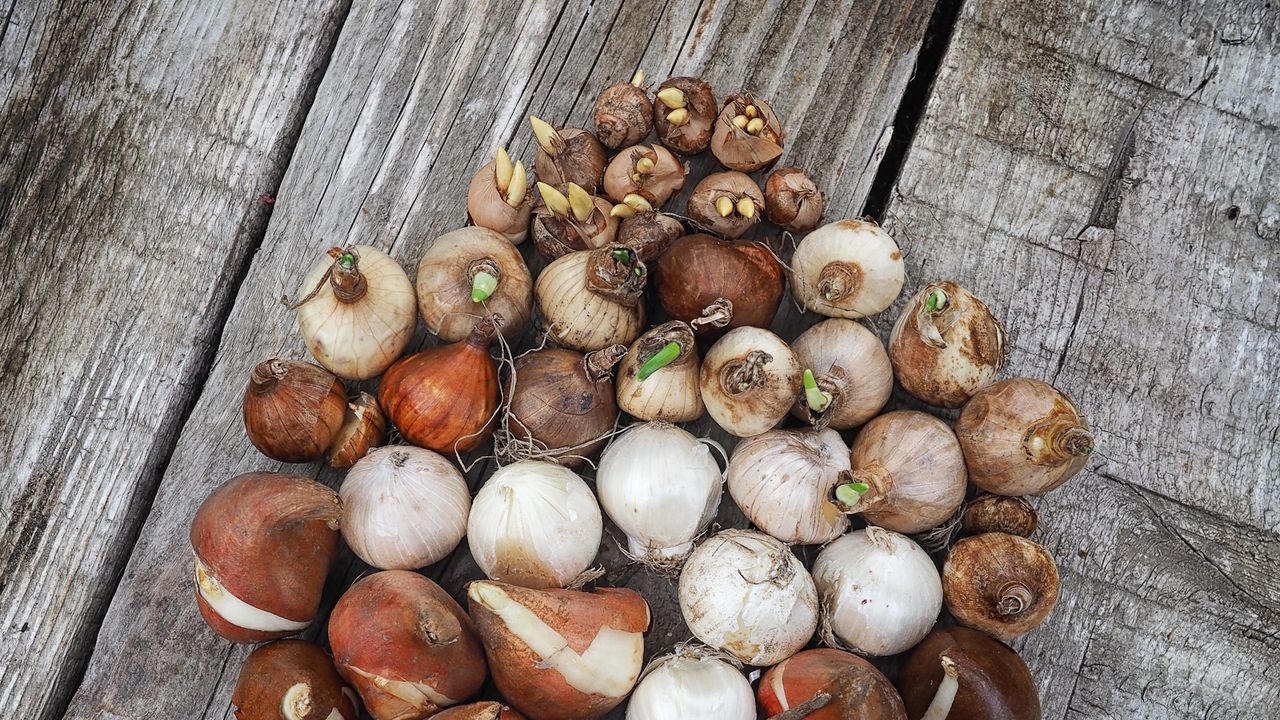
405,645
263,544
987,678
1022,437
364,428
291,680
827,684
946,345
849,269
293,411
485,710
561,404
692,684
699,269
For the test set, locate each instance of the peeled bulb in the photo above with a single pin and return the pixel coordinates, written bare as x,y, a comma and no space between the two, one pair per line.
263,544
1022,437
471,274
534,524
661,486
291,680
1001,584
561,654
592,299
849,269
405,508
406,646
908,472
852,377
749,380
946,345
293,410
745,593
880,591
356,311
826,684
692,684
783,480
364,428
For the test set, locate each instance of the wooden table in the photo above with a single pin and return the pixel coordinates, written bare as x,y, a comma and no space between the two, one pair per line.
1106,175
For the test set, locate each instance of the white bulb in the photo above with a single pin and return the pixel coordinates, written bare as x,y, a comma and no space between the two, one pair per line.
677,687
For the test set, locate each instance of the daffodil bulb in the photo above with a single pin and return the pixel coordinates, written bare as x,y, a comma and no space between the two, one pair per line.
745,593
404,507
692,683
848,269
881,593
534,524
661,486
783,481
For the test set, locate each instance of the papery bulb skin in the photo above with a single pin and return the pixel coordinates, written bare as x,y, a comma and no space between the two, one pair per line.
745,593
579,158
727,204
650,171
405,507
747,135
850,366
563,654
671,392
692,684
362,313
263,545
592,299
293,410
794,201
445,398
623,115
405,645
783,481
489,206
880,591
1001,584
687,132
849,269
699,269
946,345
662,487
448,285
364,428
999,513
291,680
749,380
994,682
534,524
484,710
650,234
857,690
914,470
562,404
558,235
1022,437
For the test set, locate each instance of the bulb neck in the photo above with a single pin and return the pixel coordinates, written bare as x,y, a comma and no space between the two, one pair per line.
863,489
717,314
1056,440
743,375
346,280
1014,599
617,273
599,365
266,375
481,336
839,280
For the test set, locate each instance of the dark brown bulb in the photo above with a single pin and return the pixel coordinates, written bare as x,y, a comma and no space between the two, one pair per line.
562,404
624,115
291,680
293,410
699,270
683,113
994,683
998,513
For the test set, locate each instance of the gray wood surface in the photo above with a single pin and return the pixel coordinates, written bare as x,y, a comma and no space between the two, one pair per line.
135,139
1105,176
416,97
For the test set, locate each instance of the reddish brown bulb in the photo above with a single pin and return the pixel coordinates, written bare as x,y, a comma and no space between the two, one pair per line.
747,135
699,270
293,410
683,114
291,680
993,682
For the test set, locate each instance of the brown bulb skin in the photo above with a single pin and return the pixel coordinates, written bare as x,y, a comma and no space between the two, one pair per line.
1001,584
270,672
399,625
650,234
364,429
694,136
995,683
623,115
445,398
740,149
267,539
793,200
561,401
703,210
998,513
293,410
699,269
487,710
580,161
858,690
945,356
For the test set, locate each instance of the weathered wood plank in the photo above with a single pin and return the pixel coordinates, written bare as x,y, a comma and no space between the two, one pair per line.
417,96
134,141
1104,175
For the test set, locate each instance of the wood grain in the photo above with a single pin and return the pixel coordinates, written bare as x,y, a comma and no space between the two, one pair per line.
1104,176
135,139
416,98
